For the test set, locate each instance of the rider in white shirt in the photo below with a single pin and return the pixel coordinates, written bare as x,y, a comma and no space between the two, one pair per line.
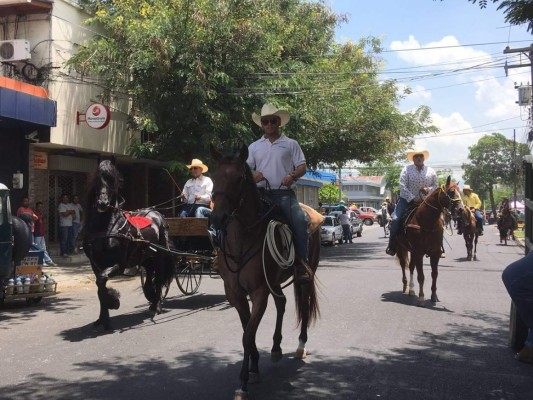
197,192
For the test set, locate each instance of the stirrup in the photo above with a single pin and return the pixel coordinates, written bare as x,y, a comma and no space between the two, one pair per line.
301,272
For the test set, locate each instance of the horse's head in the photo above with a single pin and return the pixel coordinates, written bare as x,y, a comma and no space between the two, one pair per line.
232,179
449,197
106,184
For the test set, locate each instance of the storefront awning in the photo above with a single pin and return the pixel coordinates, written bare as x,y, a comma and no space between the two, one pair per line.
24,102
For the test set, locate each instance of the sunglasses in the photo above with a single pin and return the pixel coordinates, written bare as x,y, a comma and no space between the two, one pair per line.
271,121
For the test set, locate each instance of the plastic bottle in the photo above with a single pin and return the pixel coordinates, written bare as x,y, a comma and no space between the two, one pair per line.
18,286
10,286
26,286
42,281
50,283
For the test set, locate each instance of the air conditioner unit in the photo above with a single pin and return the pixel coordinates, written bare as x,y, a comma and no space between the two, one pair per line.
14,50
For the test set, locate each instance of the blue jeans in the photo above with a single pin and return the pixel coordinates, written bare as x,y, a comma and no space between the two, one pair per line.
293,213
195,210
66,235
76,228
347,232
203,212
479,219
395,224
41,245
518,280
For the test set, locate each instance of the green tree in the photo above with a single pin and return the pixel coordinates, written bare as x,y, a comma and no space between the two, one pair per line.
328,194
492,163
517,12
196,70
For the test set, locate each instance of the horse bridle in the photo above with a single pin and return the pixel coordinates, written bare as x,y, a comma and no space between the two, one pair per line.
442,207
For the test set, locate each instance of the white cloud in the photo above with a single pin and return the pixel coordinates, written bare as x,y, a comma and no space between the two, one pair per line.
497,98
439,52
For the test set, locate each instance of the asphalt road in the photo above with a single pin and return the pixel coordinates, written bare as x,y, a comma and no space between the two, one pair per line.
372,341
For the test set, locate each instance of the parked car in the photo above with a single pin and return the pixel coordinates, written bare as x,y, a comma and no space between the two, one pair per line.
367,218
331,230
369,210
356,225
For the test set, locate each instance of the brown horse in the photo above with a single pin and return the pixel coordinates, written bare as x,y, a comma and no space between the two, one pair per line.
506,225
423,235
470,233
247,269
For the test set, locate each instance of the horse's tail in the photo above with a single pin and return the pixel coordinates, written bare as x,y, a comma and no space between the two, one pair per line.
308,310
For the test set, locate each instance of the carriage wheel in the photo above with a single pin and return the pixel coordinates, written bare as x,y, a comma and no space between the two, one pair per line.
164,289
187,278
517,330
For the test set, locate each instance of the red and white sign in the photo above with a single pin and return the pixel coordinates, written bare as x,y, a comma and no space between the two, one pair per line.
97,116
40,160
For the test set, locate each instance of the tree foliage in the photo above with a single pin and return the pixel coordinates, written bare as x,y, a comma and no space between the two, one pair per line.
492,162
517,12
196,70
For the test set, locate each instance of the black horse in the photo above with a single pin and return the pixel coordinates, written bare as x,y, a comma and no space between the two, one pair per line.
114,241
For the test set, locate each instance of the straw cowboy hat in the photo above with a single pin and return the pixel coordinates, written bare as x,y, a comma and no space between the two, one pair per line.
269,109
466,187
198,163
411,154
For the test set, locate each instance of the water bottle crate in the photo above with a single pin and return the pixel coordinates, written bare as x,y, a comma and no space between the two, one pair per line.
49,289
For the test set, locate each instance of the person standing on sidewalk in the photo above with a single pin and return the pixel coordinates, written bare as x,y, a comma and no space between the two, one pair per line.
66,213
346,229
38,234
25,209
77,221
518,280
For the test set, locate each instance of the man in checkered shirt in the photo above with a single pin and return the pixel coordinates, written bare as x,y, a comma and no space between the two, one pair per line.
416,180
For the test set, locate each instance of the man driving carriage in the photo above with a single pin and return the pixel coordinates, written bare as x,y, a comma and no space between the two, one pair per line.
277,163
471,200
416,180
197,192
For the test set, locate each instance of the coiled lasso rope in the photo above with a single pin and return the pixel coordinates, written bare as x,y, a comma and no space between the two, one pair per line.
270,242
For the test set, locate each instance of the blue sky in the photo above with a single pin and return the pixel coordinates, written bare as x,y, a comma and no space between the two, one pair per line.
457,71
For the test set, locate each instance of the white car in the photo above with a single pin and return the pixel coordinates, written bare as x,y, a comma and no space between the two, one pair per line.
331,230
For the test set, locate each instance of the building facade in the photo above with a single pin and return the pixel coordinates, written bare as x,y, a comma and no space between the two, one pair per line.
365,191
49,144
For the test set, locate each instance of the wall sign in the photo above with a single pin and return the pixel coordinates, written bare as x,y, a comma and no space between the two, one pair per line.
97,116
40,160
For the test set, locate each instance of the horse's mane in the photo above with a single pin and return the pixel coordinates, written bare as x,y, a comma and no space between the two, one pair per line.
249,178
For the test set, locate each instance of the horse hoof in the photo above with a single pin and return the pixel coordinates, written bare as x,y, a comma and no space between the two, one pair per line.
412,292
253,377
240,395
275,356
421,302
435,299
301,353
475,258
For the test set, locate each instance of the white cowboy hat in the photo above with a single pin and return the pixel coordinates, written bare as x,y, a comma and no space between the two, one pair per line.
269,109
411,154
466,187
197,163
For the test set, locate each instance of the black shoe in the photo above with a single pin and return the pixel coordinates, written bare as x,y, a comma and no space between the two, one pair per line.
390,251
480,233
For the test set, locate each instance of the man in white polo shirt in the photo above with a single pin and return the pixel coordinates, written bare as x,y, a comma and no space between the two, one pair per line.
277,162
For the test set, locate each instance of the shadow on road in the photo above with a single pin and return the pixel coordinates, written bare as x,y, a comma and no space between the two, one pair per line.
430,365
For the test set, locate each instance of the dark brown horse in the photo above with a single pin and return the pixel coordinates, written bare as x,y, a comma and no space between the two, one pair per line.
423,235
247,268
506,225
470,233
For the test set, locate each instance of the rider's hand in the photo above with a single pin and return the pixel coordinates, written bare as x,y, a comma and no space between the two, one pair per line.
258,176
424,190
287,180
197,197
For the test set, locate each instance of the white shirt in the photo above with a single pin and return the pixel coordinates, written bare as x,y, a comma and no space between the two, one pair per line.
344,219
412,180
65,221
275,160
77,209
202,186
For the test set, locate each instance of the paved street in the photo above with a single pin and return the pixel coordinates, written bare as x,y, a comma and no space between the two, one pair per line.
372,341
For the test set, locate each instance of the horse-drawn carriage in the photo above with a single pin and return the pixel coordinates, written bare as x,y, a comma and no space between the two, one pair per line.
192,251
16,261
